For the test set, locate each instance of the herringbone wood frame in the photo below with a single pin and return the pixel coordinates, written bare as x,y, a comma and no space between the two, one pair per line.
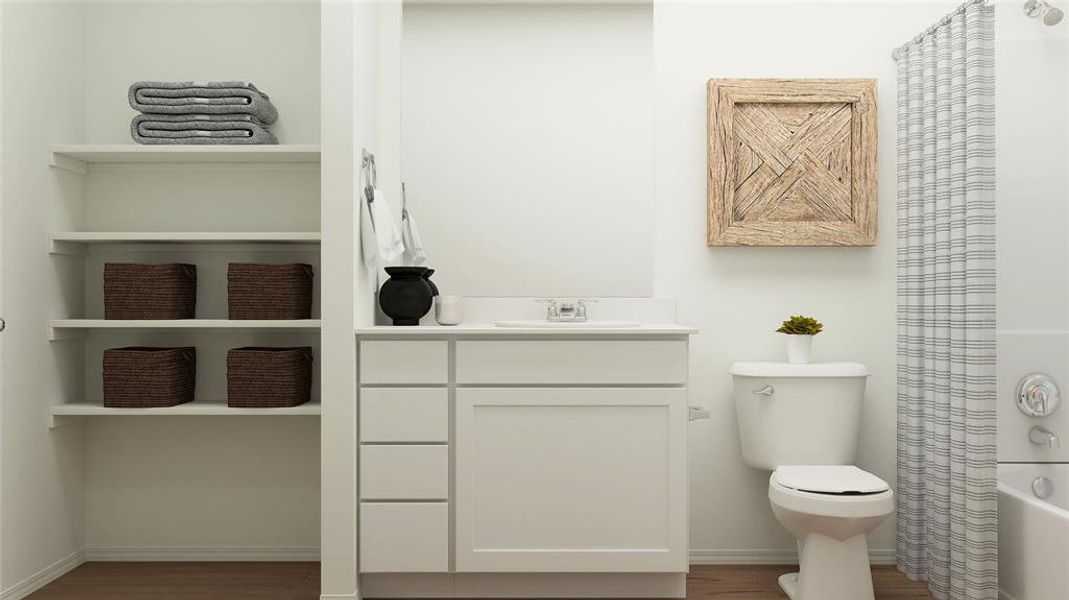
792,162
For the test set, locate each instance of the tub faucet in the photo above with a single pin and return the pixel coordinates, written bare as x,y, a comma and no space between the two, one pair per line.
1042,436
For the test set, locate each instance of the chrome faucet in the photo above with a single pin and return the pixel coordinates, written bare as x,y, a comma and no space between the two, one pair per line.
1041,436
566,310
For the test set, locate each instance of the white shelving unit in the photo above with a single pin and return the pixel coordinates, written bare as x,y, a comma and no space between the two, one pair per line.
150,244
77,158
86,195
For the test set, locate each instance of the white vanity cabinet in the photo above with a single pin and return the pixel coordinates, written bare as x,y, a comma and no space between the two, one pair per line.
535,453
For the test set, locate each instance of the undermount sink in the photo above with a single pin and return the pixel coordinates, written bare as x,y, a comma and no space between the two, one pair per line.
568,324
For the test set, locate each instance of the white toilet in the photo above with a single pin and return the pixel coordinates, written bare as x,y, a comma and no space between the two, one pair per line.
801,422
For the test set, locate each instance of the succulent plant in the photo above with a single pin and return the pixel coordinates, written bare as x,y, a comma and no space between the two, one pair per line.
799,325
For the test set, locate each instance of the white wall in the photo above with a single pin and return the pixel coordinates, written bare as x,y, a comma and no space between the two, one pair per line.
1032,127
162,487
737,296
528,146
43,488
272,44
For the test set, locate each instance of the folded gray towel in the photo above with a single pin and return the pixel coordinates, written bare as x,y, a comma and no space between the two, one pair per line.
200,129
202,97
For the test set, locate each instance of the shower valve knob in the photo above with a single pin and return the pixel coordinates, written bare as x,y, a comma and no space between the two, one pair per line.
1037,395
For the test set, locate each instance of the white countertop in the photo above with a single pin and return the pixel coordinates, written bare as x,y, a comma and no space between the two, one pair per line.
489,329
657,315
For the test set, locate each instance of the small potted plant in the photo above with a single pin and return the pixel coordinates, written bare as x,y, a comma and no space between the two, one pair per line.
800,331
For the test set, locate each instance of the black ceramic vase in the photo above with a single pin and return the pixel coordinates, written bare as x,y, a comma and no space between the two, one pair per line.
407,295
427,276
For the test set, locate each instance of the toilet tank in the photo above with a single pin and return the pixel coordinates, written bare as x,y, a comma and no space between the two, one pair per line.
791,414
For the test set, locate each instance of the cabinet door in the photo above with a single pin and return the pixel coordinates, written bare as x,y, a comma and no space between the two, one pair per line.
571,479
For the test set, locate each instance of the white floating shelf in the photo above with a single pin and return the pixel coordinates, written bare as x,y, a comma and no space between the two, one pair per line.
63,328
205,237
69,242
205,408
77,157
185,324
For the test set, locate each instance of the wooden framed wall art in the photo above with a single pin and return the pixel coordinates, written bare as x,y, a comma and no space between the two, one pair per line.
792,162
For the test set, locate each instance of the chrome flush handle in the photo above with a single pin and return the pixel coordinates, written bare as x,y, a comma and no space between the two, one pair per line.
765,391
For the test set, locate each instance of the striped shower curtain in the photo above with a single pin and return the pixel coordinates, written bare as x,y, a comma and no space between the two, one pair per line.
947,462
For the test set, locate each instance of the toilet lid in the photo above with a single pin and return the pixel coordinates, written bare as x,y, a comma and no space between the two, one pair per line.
837,479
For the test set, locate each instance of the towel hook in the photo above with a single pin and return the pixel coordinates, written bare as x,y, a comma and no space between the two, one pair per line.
371,177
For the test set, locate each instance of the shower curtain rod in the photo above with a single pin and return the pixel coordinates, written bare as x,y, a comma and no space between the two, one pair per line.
940,23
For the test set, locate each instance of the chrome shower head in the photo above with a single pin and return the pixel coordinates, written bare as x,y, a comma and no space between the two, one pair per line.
1041,9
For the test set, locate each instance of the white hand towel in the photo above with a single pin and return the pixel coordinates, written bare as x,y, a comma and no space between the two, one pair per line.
414,253
388,248
387,236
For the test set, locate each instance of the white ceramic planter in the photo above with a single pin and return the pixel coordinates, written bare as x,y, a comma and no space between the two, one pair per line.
799,349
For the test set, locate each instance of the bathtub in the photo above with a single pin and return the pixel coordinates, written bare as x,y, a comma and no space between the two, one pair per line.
1033,534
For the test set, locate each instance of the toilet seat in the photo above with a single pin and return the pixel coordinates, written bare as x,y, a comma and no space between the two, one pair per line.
830,491
829,479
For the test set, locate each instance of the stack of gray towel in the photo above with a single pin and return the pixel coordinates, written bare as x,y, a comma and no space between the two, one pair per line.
191,112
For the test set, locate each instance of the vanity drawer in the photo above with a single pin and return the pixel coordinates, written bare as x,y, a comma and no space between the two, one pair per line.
404,362
404,536
404,415
571,362
400,472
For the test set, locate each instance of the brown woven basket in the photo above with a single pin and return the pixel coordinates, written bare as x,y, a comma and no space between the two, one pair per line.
146,377
268,377
150,291
270,291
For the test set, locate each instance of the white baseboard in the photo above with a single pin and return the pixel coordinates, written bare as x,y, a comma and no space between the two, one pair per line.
771,557
43,577
205,554
540,586
352,596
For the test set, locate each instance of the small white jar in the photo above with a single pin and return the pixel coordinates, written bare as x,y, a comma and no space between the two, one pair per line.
448,310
